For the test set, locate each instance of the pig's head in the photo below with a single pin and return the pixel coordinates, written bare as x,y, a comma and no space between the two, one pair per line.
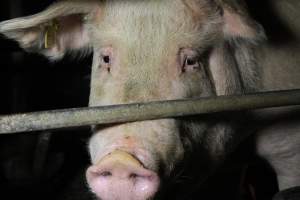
149,50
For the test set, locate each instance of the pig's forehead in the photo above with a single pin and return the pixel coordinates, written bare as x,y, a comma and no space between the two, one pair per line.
151,22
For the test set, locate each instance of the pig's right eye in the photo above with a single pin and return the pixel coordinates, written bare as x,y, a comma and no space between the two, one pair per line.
189,60
106,62
106,59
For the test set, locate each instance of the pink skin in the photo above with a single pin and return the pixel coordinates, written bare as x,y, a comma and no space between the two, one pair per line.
145,157
140,139
145,53
122,179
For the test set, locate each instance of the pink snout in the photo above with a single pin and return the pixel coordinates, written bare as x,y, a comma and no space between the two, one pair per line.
119,176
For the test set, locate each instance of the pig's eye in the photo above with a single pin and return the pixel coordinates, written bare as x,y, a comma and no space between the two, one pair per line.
106,59
106,62
190,64
189,60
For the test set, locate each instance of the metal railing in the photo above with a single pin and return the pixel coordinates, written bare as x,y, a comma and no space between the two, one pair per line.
76,117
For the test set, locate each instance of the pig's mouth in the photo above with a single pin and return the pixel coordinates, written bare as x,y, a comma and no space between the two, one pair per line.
120,175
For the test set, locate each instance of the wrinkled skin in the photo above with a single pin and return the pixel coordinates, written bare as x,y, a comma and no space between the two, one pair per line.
148,51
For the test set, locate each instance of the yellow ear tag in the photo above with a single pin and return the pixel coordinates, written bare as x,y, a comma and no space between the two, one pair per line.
51,34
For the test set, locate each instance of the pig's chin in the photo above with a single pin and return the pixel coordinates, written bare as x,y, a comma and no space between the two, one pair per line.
120,175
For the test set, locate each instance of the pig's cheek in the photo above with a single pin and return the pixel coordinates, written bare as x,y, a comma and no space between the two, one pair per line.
98,146
167,145
93,148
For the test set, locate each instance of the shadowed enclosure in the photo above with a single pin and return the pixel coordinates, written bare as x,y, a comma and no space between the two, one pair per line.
52,97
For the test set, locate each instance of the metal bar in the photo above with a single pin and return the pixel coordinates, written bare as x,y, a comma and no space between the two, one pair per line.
143,111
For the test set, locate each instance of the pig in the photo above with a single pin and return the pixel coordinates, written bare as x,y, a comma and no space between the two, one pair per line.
154,50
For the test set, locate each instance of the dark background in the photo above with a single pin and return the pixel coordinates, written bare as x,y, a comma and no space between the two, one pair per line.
51,165
28,82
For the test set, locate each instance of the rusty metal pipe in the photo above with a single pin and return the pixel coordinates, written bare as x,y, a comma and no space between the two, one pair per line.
76,117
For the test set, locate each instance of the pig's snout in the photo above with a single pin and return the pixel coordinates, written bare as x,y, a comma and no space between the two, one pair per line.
121,176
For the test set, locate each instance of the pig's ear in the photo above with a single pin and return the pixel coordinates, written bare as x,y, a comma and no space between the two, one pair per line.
242,37
53,32
238,23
